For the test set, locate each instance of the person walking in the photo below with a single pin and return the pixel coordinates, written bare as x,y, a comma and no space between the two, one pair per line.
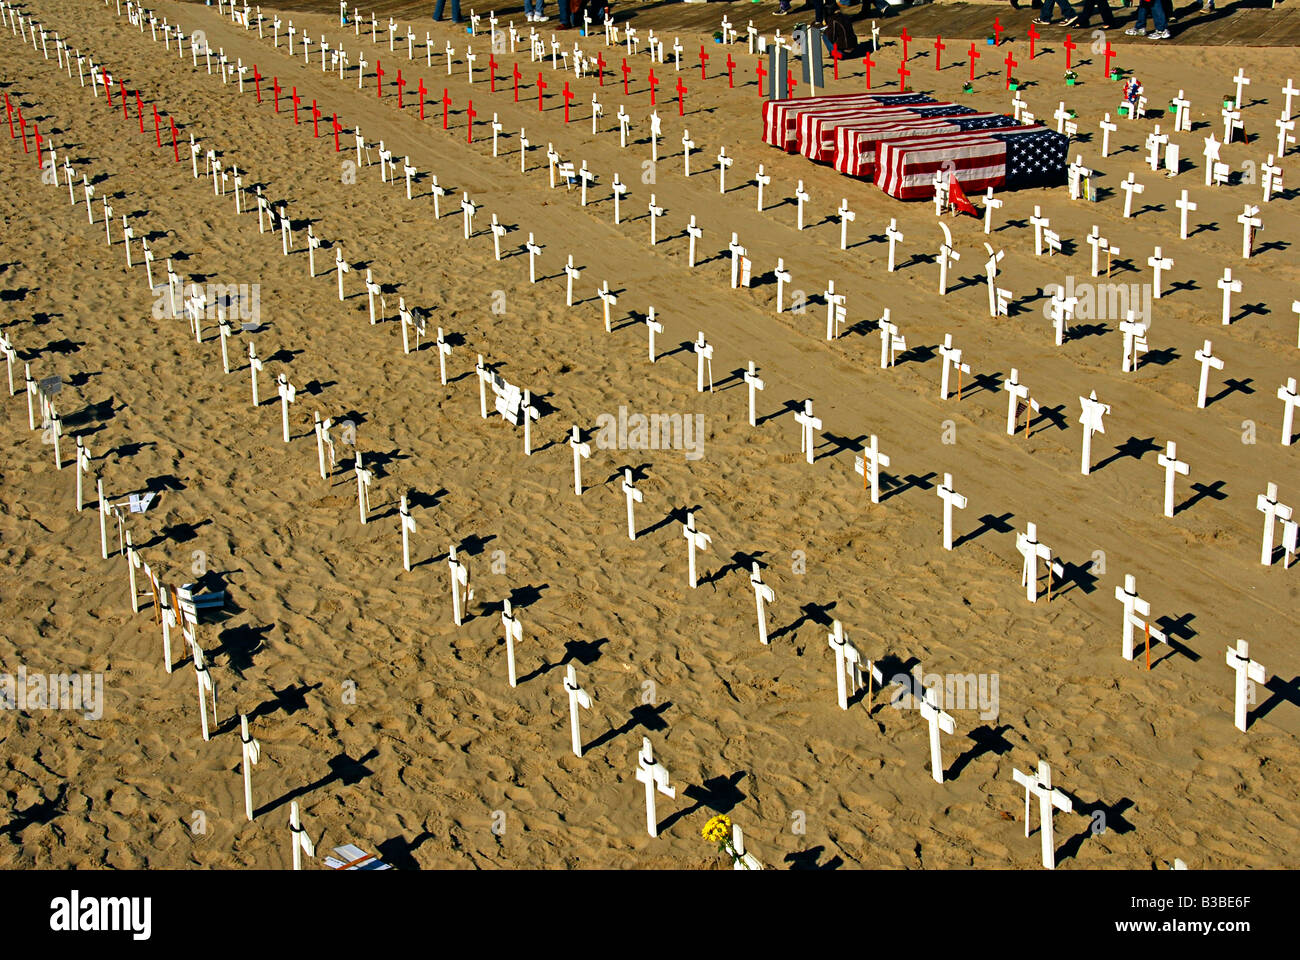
1101,7
1156,10
533,11
1045,15
455,10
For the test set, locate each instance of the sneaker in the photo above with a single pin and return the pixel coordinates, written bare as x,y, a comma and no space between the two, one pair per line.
1135,32
1041,22
540,19
1159,35
1070,21
780,13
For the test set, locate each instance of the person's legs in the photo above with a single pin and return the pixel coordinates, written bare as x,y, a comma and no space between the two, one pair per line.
1139,25
455,11
563,6
437,9
1158,21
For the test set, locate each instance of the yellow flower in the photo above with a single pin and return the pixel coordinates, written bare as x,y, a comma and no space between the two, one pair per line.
718,829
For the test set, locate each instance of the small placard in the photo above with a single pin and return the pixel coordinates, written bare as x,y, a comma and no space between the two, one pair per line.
140,502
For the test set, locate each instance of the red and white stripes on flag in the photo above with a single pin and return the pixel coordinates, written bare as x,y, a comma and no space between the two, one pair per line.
905,168
780,117
857,145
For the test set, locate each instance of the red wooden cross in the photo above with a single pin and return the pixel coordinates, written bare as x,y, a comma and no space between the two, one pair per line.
446,105
541,90
517,75
471,113
974,55
337,129
276,81
627,71
836,56
761,74
868,63
315,120
157,126
108,91
401,85
906,40
1069,50
568,96
492,73
939,48
600,67
1033,36
1010,61
176,151
257,83
997,31
36,130
731,72
1108,55
422,90
22,126
681,98
139,110
654,82
903,74
125,115
704,59
790,81
296,100
379,78
9,113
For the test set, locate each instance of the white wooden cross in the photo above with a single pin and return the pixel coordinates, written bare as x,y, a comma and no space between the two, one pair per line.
947,257
585,177
869,465
652,326
1172,467
807,425
571,273
1107,128
694,541
529,412
288,392
1135,342
533,250
1098,244
408,527
991,275
301,842
693,233
1273,510
364,479
1271,179
1205,356
619,188
1040,222
656,125
737,252
607,300
578,697
951,357
254,365
633,496
83,457
1229,286
724,161
1290,399
782,278
836,312
763,594
1284,136
467,209
623,122
1032,550
1049,800
894,235
991,203
341,267
1130,186
938,720
950,499
687,145
890,340
1158,263
1250,222
1247,672
513,630
1091,421
461,594
656,212
581,451
252,752
1076,173
1211,155
1155,142
754,382
1182,116
801,197
1241,81
438,192
1134,609
1184,206
848,665
313,242
703,355
762,180
655,777
372,290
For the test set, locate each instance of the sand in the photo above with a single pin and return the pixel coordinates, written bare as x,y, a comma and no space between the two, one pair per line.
398,731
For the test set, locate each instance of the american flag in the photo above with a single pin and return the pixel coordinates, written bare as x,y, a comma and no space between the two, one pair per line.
1025,156
780,117
857,145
